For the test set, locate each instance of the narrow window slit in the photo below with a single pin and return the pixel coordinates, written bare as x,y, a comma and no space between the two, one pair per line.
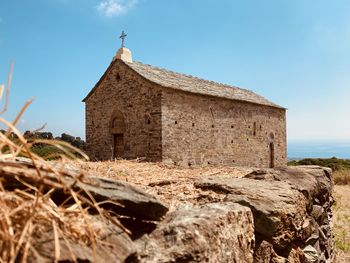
254,129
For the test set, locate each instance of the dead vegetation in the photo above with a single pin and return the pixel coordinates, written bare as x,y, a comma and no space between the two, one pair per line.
151,177
29,207
341,228
342,177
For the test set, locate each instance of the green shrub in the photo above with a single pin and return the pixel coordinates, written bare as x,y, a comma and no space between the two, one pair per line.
334,163
47,152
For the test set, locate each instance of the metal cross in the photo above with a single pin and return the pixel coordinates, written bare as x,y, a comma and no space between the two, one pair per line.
123,36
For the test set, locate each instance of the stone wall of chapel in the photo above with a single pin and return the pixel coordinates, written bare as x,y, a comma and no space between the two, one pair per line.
139,102
203,130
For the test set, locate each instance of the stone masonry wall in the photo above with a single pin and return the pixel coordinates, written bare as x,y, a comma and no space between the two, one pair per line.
202,130
138,101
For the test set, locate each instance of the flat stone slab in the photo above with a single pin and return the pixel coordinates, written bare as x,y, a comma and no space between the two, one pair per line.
113,245
114,195
136,202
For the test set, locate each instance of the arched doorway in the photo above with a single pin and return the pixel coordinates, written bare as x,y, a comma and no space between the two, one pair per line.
272,155
117,129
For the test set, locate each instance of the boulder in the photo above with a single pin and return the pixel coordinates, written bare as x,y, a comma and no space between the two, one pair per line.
312,181
112,245
123,198
120,197
279,209
217,232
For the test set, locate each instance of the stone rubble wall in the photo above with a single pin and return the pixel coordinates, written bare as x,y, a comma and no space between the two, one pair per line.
269,215
266,215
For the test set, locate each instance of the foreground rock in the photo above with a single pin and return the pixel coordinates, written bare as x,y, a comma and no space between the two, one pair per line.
279,210
291,207
218,232
114,245
266,215
117,196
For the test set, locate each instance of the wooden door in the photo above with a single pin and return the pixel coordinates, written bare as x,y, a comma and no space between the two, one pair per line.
118,145
272,155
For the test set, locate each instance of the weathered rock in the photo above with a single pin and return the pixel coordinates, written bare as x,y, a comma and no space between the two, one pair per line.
279,210
114,245
263,253
312,239
317,211
296,255
312,181
134,201
121,197
308,228
311,254
217,232
291,208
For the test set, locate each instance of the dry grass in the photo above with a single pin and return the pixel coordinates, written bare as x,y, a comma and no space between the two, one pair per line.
342,223
342,177
27,209
172,184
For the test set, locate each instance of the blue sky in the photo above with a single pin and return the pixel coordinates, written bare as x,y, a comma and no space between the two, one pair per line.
295,53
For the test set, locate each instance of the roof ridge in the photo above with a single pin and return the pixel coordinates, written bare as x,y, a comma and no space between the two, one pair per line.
194,77
181,81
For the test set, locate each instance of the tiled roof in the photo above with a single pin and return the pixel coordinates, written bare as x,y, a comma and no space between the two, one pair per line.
192,84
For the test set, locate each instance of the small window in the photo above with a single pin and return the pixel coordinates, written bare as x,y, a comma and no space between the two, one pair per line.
232,126
254,129
189,164
118,77
148,121
175,122
192,124
231,141
213,126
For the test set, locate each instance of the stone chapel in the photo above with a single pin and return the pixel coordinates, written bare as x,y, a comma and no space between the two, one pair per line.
140,111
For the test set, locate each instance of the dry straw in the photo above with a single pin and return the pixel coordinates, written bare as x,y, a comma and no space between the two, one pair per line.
27,207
